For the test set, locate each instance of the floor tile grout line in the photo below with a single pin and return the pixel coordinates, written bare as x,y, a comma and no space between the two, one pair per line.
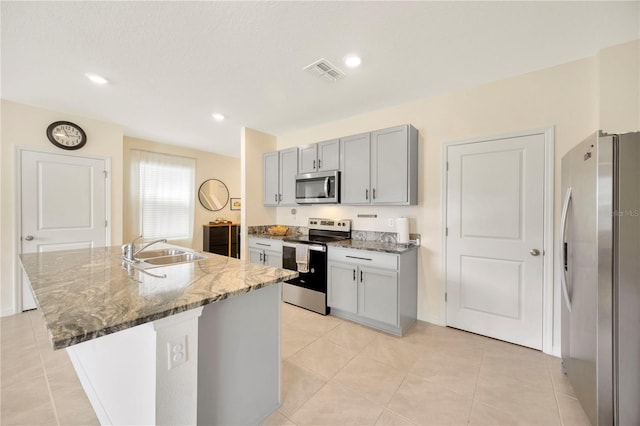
46,375
399,415
386,406
475,390
555,394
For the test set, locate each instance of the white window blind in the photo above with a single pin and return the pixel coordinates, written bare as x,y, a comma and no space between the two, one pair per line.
165,194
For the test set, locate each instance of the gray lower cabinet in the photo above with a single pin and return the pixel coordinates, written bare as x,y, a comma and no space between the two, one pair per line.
265,251
280,169
373,288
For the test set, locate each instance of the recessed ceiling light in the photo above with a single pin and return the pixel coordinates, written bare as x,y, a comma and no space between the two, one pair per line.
95,78
217,116
352,61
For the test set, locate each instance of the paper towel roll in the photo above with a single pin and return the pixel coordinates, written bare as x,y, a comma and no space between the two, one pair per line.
402,227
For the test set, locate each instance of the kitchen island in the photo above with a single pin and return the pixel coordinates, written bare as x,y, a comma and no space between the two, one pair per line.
190,343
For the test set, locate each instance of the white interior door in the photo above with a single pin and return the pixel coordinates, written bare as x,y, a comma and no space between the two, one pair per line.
495,221
63,205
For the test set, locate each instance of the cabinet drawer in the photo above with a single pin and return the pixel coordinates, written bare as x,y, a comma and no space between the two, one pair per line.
363,257
266,244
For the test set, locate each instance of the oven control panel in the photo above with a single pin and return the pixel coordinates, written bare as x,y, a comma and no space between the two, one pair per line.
330,224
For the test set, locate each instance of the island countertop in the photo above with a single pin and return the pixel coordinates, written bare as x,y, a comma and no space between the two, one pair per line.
87,293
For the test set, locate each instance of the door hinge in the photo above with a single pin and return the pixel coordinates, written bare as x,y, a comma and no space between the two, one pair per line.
105,173
445,296
446,232
447,166
106,223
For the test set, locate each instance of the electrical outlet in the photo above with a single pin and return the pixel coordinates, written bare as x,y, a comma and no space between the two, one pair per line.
177,351
391,222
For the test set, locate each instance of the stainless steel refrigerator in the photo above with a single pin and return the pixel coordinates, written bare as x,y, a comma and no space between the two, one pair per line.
600,261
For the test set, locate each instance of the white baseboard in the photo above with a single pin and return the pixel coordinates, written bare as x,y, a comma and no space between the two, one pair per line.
7,312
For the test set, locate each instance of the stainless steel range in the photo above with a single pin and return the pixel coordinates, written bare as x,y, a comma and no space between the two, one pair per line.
307,254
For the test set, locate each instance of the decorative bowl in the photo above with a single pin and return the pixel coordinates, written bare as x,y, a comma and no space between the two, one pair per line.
278,230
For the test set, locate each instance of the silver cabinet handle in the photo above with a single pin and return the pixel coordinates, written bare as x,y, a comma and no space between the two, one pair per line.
279,197
276,198
534,252
319,164
29,237
373,191
366,194
563,253
354,274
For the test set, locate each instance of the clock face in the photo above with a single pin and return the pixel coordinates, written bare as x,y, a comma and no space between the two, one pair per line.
66,135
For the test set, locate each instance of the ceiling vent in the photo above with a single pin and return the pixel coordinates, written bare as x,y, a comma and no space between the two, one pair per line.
325,69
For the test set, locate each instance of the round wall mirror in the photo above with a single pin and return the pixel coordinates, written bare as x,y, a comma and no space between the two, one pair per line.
213,195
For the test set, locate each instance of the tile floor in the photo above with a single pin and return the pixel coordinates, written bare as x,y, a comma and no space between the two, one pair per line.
333,372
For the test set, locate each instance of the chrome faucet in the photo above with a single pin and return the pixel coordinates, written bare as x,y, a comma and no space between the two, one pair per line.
129,252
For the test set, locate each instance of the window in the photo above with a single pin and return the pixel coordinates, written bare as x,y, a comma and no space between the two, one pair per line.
162,187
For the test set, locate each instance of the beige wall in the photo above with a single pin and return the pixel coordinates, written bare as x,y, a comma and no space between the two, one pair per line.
562,96
619,88
252,145
208,166
25,126
576,98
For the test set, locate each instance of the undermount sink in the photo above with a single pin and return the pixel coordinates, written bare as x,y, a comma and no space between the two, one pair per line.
146,254
147,259
176,258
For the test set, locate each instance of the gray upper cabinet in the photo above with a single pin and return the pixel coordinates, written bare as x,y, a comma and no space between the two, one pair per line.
329,155
288,172
319,157
381,167
280,169
271,178
307,158
356,163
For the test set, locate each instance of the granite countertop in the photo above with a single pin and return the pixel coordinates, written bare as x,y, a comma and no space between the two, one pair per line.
380,246
85,294
272,237
394,248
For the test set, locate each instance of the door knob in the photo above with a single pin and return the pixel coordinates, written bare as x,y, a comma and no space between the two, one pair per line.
29,237
534,252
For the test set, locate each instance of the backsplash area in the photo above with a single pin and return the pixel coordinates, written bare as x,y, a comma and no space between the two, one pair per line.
358,235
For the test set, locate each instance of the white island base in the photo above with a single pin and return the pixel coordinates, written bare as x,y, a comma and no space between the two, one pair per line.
217,364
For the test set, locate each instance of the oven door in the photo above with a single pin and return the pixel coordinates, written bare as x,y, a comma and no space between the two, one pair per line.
316,278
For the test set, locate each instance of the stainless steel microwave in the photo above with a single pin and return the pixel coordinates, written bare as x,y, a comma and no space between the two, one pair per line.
318,188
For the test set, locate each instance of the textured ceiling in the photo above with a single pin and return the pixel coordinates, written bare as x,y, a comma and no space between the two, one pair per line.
172,64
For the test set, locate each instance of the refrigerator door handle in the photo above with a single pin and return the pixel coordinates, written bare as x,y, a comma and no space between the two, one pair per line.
563,248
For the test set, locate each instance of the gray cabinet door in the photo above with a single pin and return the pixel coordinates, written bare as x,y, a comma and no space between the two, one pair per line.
273,258
342,289
355,157
307,158
378,294
389,166
328,155
288,172
270,179
256,256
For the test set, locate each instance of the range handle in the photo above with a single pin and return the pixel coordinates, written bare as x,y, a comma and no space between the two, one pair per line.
564,248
